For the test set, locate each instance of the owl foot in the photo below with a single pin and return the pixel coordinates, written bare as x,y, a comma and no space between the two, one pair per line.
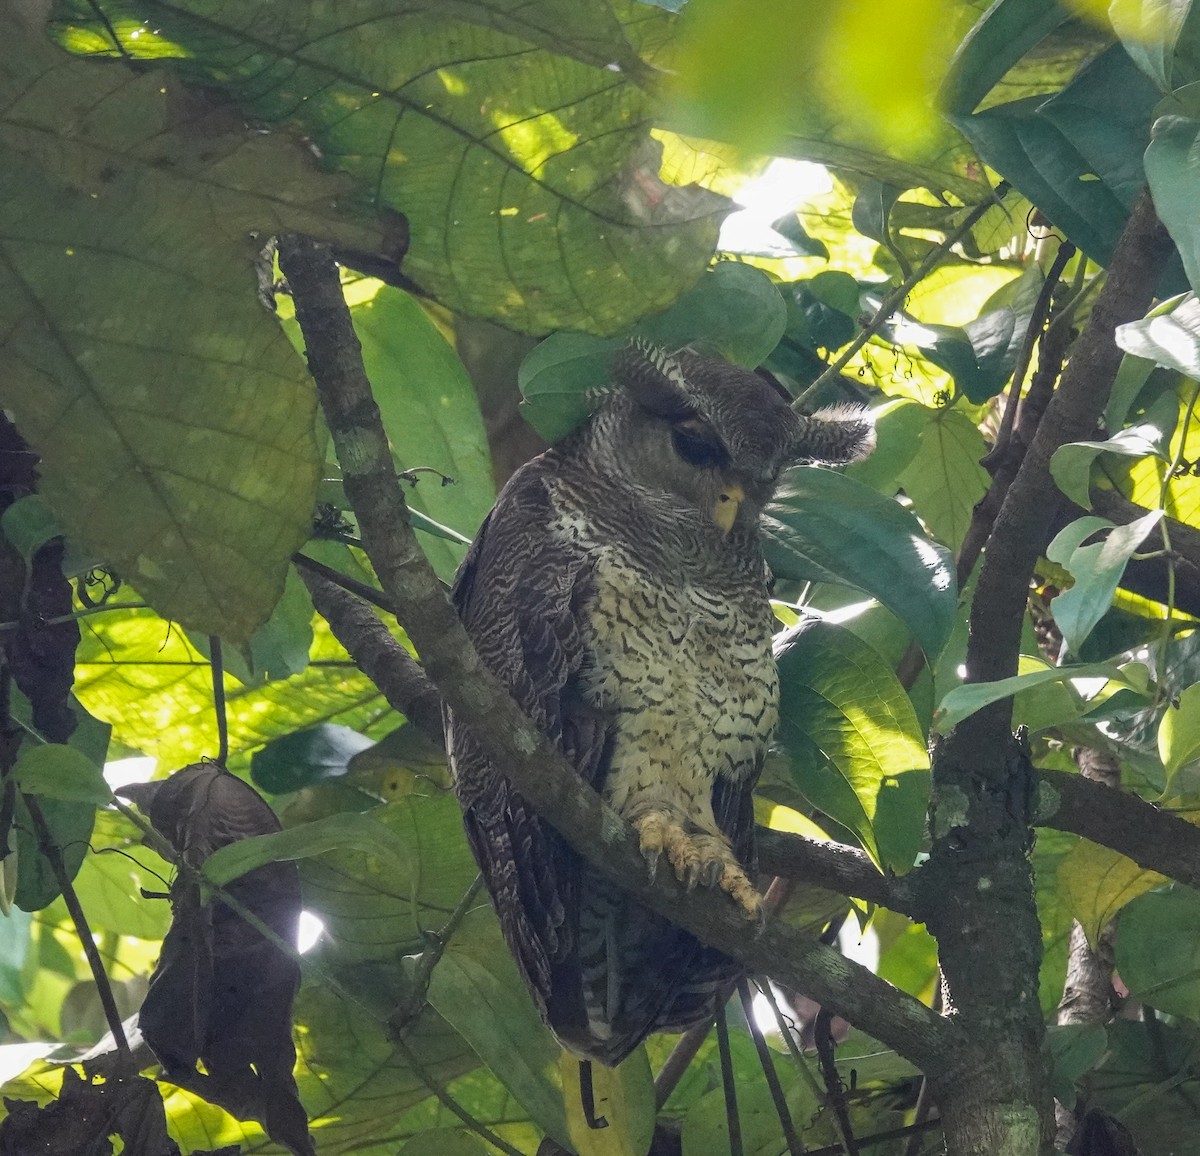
698,858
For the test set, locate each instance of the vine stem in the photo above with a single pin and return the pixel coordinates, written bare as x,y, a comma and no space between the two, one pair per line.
1164,530
896,297
75,615
53,854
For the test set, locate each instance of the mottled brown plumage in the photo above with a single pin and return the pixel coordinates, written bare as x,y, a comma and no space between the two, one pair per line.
618,587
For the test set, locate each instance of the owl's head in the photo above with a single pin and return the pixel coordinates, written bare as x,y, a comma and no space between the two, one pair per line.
718,436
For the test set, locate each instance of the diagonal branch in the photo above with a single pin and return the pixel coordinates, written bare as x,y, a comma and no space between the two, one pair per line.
403,682
510,739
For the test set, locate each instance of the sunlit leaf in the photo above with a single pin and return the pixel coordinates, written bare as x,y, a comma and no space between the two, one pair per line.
1179,731
1099,882
1170,336
522,163
1096,568
945,479
1071,465
181,453
851,738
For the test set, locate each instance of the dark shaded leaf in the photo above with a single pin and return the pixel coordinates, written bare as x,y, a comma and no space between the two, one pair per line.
305,757
734,310
222,993
825,527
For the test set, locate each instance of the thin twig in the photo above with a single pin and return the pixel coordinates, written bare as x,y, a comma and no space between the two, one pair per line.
53,853
788,1029
732,1120
217,664
823,1037
794,1143
880,1137
363,590
1033,330
684,1051
75,615
896,297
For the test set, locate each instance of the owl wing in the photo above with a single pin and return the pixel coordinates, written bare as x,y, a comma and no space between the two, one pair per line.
521,592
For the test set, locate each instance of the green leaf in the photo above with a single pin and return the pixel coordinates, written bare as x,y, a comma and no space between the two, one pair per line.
430,414
898,426
1179,732
981,354
444,1142
60,772
945,479
706,1126
1096,568
734,310
1074,1050
111,878
1004,34
1170,336
302,758
522,163
1098,882
1150,32
28,525
1159,965
872,208
825,527
71,827
1077,155
851,736
336,832
126,216
963,701
1128,383
1071,465
623,1095
475,988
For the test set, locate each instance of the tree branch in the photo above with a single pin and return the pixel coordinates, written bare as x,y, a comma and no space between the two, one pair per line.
404,684
1021,529
1154,839
376,653
518,749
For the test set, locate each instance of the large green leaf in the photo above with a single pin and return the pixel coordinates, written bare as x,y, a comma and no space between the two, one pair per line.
825,527
521,161
1158,964
151,684
1098,882
475,987
944,479
1077,155
734,310
852,740
174,424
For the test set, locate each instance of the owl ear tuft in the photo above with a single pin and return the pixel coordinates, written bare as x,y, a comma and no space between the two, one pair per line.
835,435
654,379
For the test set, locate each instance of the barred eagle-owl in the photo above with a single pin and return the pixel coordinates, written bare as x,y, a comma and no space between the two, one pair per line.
619,589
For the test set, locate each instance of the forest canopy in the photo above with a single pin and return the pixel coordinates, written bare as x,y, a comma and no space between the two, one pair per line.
978,826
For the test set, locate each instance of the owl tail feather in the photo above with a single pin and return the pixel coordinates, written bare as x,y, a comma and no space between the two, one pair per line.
835,435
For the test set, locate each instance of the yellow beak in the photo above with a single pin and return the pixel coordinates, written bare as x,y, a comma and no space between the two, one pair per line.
725,511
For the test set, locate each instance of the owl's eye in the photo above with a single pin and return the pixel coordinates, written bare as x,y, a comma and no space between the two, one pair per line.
699,446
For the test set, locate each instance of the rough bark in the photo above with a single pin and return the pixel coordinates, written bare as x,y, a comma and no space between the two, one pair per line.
511,740
979,879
